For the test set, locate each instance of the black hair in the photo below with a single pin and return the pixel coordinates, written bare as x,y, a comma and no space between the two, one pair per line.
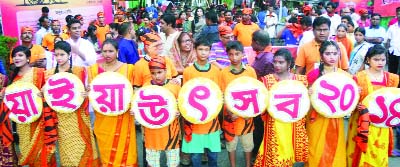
180,13
342,25
17,49
114,26
287,55
324,46
169,19
212,16
376,14
318,12
331,4
123,29
261,37
360,29
292,20
347,17
91,33
45,9
76,16
373,51
68,18
112,42
58,37
42,18
306,20
72,21
66,47
202,42
320,21
398,9
351,23
228,11
196,17
234,45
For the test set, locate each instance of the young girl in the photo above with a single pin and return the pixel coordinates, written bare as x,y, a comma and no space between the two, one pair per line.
76,141
326,135
199,22
116,135
274,148
368,145
357,55
341,36
35,141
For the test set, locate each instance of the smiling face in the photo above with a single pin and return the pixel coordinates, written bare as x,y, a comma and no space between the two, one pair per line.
20,59
75,30
186,43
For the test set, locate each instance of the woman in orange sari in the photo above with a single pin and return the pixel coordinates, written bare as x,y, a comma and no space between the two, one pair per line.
76,141
326,135
283,143
116,135
341,36
369,145
34,142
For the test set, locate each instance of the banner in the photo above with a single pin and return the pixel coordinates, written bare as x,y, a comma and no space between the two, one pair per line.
18,13
386,7
154,106
246,97
356,4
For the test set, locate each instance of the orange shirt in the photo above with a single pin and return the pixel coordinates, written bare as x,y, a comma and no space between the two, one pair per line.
142,73
48,40
64,30
244,33
37,52
165,138
240,126
101,32
213,73
308,55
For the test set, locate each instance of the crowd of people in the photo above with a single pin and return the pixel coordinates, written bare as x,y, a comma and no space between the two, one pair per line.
170,46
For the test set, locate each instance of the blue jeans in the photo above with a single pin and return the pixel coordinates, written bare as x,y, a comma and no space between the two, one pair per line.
212,158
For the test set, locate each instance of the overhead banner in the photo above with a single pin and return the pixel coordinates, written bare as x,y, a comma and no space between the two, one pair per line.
18,13
386,7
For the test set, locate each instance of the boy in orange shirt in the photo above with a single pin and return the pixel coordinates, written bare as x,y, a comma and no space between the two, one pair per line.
166,138
200,137
236,128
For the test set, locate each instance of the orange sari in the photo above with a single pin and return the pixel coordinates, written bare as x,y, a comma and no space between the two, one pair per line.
37,140
116,135
283,143
347,43
76,141
368,145
327,144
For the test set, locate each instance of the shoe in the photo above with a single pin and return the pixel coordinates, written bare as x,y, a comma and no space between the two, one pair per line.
395,153
185,162
204,158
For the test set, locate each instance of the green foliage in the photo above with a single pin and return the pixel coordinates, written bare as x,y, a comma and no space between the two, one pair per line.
6,44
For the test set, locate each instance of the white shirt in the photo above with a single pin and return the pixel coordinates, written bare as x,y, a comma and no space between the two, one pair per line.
393,34
40,34
335,21
270,24
380,32
87,49
168,42
307,37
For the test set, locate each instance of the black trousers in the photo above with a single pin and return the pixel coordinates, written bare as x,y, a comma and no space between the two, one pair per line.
393,63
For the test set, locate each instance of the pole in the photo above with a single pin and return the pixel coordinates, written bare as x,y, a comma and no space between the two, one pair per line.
280,10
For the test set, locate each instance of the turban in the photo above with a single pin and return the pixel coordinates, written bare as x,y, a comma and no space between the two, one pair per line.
224,30
78,17
26,28
363,11
306,9
149,38
247,11
157,62
120,12
100,14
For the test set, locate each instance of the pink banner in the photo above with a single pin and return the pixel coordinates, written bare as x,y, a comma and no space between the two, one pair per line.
18,13
356,4
386,7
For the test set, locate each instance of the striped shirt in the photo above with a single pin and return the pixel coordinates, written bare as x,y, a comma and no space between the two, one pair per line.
218,54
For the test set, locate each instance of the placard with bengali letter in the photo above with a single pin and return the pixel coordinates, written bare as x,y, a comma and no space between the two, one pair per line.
23,101
63,92
110,93
200,100
154,106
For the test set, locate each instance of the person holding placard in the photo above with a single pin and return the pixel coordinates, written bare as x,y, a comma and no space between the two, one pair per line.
326,135
116,135
236,128
367,144
35,141
166,138
76,143
288,140
199,137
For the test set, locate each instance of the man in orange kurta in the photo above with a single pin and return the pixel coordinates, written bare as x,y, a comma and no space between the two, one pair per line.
48,39
102,28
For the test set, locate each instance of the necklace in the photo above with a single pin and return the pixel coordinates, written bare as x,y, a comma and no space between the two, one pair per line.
113,67
375,77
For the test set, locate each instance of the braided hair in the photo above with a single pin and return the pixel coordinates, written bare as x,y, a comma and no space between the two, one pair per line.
65,46
324,46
